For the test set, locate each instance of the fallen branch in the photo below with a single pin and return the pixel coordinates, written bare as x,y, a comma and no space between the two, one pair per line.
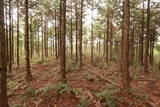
97,103
108,80
90,70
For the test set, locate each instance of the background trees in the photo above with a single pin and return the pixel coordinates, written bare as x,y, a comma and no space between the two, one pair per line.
72,32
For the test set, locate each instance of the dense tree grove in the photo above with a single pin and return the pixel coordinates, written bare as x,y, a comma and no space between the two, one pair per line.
118,38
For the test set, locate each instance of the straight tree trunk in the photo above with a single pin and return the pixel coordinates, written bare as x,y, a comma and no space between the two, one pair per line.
38,45
10,40
147,40
104,44
71,32
80,35
76,31
42,42
111,40
125,54
63,42
56,36
132,49
31,38
3,65
28,68
12,36
99,44
92,36
6,32
18,33
107,39
142,38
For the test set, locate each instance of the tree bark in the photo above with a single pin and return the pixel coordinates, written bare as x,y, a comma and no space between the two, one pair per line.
76,31
142,38
56,36
42,41
10,41
28,68
107,39
3,65
92,36
80,35
125,47
71,32
147,40
18,33
63,42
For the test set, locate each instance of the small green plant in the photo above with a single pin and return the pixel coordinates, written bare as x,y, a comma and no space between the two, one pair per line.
18,105
135,77
71,66
44,90
132,92
88,76
107,96
76,91
100,63
84,102
62,88
12,86
30,92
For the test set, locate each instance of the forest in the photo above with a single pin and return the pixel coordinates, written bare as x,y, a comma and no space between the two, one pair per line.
79,53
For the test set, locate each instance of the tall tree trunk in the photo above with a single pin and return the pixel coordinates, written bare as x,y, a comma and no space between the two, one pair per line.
47,32
31,39
132,49
18,33
80,35
142,38
107,39
92,36
99,43
111,40
104,44
63,42
10,40
76,31
125,54
45,39
6,31
56,36
151,52
71,32
38,45
147,40
3,65
42,42
28,68
12,36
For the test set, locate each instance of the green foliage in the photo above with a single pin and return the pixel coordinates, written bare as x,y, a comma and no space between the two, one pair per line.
13,85
18,105
107,96
45,90
76,91
133,92
62,88
84,102
30,92
134,76
71,66
88,76
100,63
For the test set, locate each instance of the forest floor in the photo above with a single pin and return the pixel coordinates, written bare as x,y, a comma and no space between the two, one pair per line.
97,85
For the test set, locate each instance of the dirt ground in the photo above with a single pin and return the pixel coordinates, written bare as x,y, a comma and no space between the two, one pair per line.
45,90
